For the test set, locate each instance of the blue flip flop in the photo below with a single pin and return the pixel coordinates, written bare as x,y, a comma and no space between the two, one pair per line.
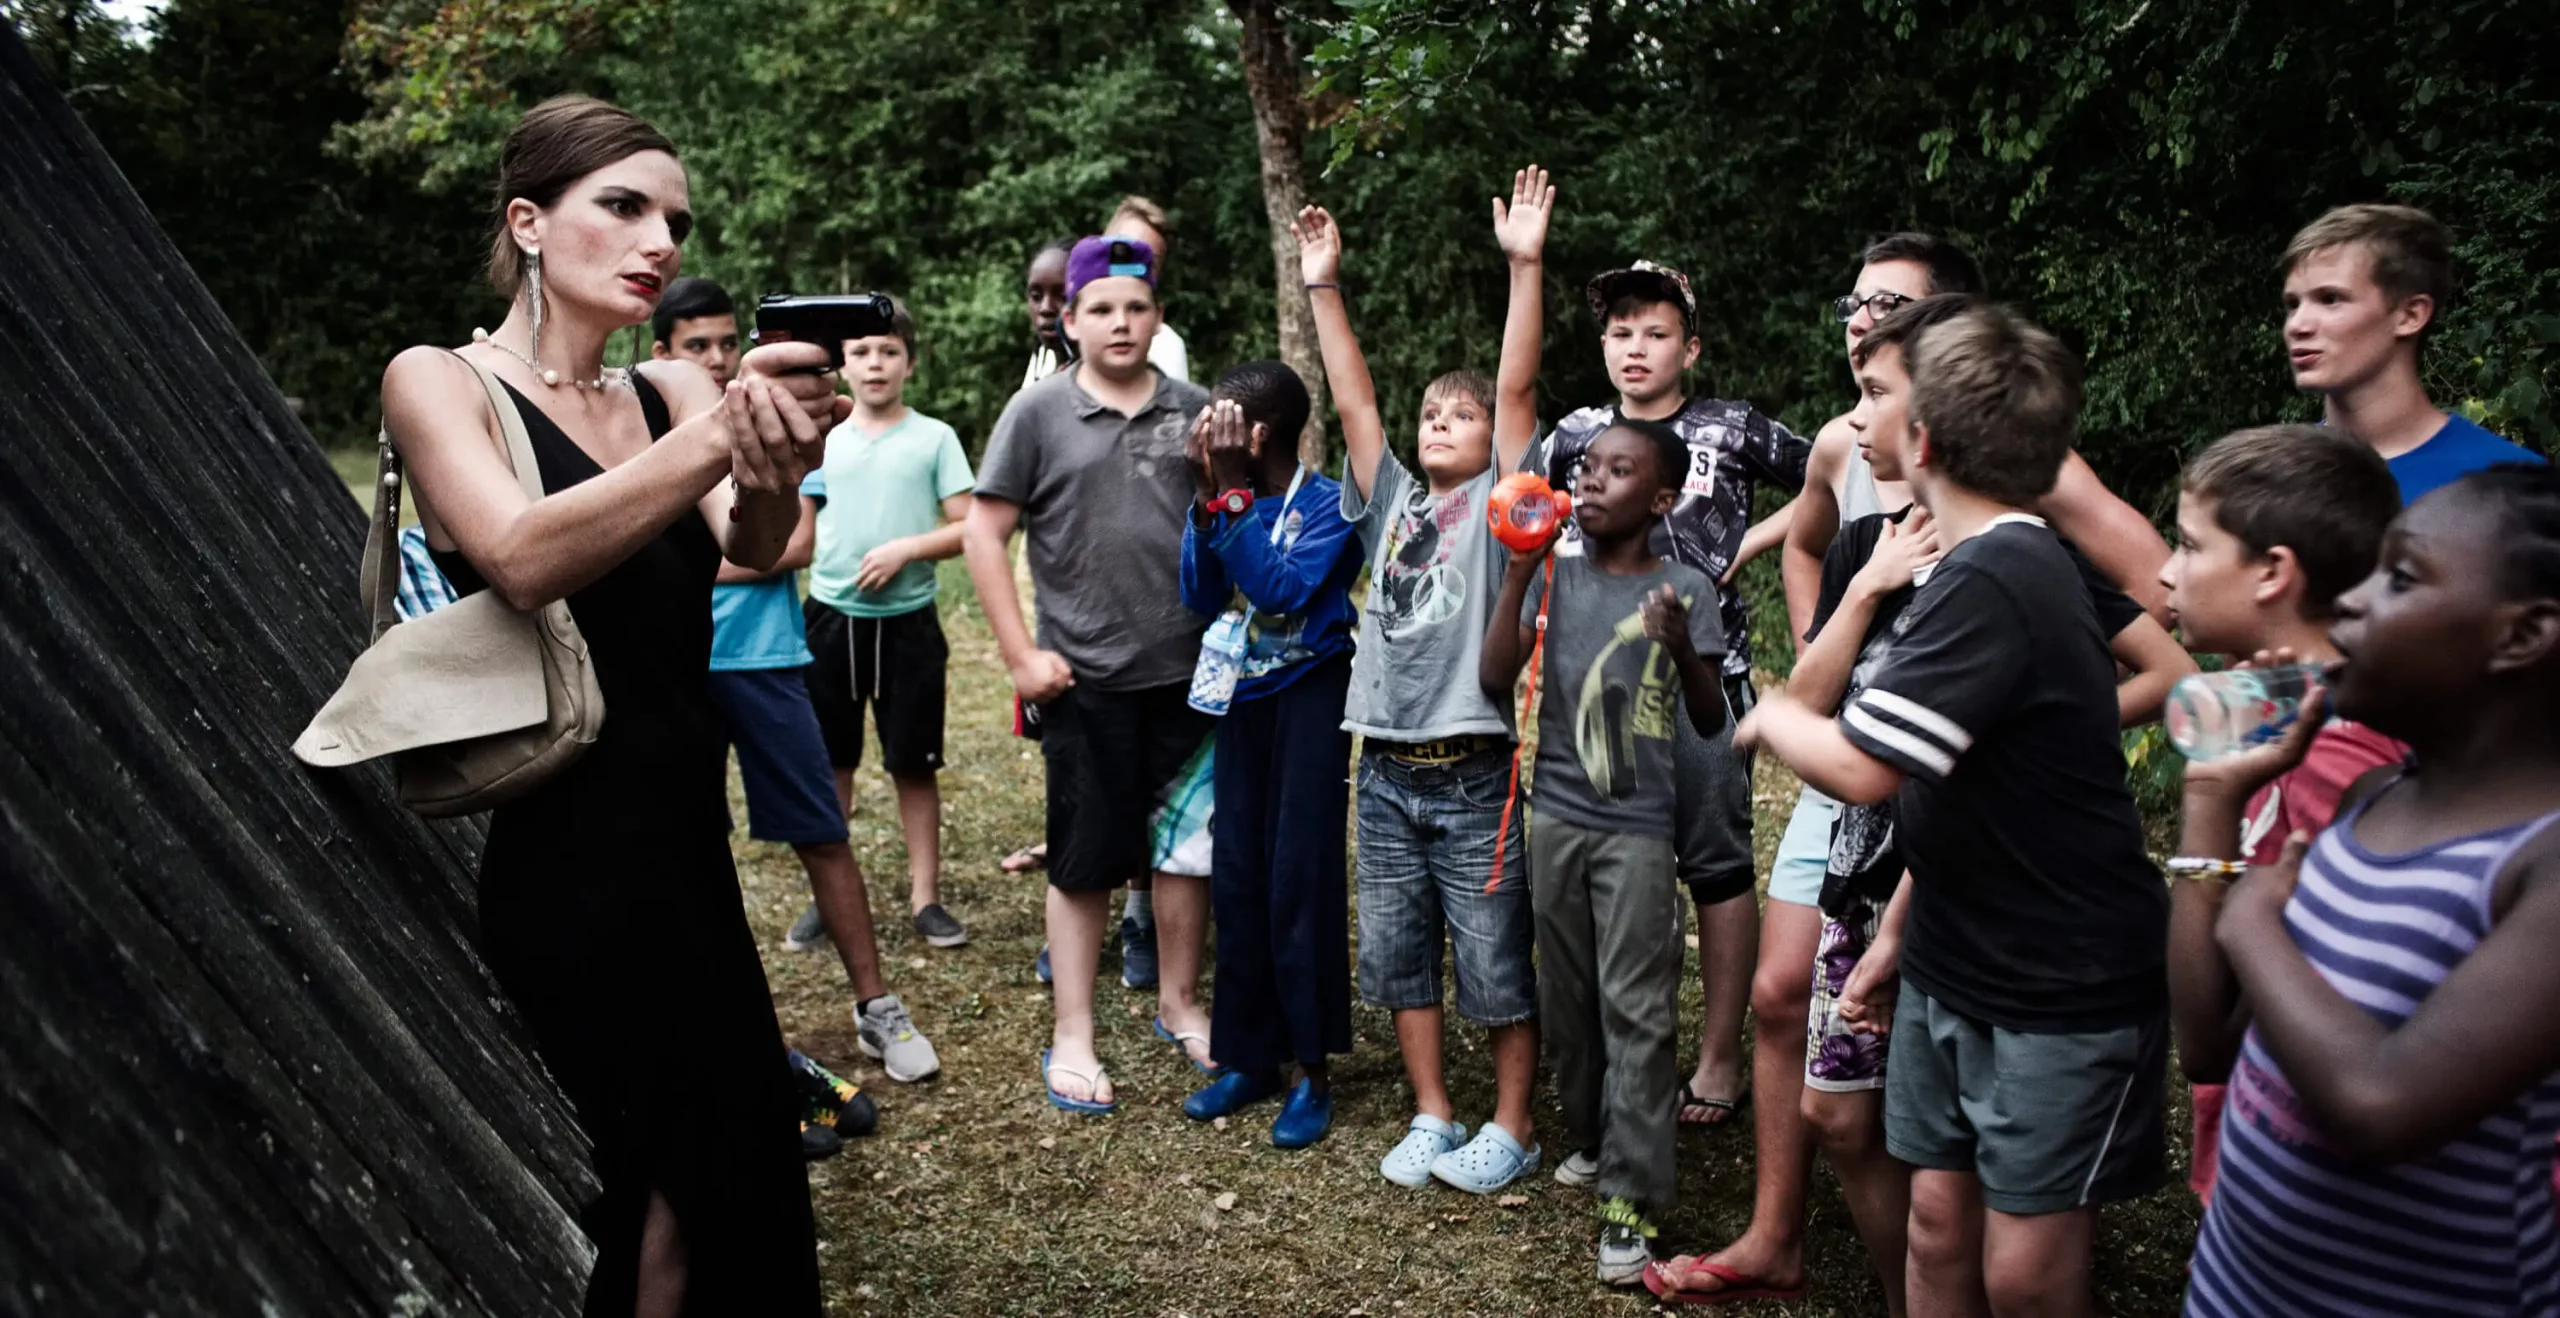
1069,1103
1181,1044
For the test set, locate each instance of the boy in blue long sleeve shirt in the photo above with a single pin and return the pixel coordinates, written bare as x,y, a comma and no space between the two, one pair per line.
1266,527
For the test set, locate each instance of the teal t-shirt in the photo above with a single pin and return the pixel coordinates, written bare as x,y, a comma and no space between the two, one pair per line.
888,486
756,625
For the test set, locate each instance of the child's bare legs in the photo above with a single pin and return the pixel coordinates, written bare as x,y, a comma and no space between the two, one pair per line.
1515,1071
1182,930
2038,1267
920,819
1943,1278
662,1262
1772,1247
1728,934
1850,1130
835,880
1418,1038
1075,955
844,791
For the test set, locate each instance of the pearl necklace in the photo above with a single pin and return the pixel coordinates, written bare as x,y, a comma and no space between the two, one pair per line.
611,376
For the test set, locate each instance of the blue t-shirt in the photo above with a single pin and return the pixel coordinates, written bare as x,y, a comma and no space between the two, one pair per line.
1299,587
2457,449
756,625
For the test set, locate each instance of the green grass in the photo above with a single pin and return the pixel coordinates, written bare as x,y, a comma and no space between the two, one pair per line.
977,1198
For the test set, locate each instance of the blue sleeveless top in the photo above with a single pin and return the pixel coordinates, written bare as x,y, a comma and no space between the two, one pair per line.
2294,1228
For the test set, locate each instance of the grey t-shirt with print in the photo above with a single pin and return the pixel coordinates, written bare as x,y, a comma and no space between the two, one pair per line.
1103,498
1609,694
1434,572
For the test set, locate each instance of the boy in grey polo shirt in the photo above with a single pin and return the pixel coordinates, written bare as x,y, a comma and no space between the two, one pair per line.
1091,461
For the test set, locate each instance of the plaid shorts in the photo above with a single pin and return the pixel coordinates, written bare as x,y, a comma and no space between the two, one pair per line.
1837,1059
1178,832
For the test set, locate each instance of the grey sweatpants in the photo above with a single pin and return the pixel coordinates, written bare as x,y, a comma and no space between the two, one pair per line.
1609,922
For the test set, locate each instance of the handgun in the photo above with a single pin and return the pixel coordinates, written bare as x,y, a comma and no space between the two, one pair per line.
826,320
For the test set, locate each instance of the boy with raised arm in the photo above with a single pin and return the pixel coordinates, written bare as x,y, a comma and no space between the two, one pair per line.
2030,1032
1630,644
1437,757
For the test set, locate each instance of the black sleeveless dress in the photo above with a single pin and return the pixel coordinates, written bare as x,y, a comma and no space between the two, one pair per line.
609,910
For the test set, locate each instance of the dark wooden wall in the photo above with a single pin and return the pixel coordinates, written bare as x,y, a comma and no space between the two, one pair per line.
249,1063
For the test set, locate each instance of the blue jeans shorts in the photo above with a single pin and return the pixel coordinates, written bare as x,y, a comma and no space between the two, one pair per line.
1804,851
1426,855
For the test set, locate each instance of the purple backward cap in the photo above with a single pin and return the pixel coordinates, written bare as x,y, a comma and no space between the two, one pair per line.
1104,257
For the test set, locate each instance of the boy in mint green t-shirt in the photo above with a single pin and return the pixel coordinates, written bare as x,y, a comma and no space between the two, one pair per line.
900,489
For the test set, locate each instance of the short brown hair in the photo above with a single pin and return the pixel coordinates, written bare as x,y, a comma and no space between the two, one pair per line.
2412,252
1905,322
2324,494
902,323
2000,398
558,142
1145,212
1461,384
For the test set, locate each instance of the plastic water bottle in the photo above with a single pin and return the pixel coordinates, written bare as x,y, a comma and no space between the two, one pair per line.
1525,511
2211,715
1213,678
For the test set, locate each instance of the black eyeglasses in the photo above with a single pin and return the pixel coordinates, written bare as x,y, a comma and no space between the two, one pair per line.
1883,303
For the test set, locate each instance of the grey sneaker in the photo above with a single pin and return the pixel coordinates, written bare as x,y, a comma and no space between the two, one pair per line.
940,927
1623,1248
1581,1171
888,1035
808,933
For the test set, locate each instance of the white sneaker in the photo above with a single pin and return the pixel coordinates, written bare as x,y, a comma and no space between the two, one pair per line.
1581,1171
808,933
887,1034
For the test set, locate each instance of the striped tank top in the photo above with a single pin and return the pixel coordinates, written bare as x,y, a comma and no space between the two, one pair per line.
2294,1228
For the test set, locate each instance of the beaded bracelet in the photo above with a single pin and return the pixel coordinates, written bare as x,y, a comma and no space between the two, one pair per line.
2204,867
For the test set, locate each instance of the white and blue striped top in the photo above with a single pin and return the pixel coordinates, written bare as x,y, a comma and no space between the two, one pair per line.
2294,1227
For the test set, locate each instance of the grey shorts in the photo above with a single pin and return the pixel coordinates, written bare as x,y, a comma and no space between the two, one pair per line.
1426,861
2050,1122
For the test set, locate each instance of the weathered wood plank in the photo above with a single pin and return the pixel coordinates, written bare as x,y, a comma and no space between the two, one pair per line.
249,1062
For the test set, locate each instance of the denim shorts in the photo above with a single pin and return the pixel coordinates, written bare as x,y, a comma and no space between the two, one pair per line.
1804,851
1425,860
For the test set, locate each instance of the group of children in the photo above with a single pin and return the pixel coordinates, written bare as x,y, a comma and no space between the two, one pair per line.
1964,890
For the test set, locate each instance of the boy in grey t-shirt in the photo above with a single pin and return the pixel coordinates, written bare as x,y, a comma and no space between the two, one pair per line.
1439,836
1631,640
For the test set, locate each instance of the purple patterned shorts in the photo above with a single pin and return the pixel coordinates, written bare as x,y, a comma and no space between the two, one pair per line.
1838,1060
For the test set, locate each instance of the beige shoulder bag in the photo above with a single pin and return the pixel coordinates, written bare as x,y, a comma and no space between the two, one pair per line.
477,703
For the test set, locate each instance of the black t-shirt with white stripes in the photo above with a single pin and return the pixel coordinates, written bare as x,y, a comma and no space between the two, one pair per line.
2033,905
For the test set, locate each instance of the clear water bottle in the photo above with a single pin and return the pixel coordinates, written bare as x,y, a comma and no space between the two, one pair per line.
2211,715
1213,679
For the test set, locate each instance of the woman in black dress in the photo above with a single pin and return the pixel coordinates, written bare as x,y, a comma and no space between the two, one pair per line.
609,907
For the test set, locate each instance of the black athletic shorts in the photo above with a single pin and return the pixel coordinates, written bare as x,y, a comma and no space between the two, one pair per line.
895,665
1110,756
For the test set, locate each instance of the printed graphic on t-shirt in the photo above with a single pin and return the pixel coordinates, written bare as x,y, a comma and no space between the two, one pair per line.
1420,586
1630,691
1862,839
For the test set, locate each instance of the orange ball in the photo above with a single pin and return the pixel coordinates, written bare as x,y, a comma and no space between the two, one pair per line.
1525,511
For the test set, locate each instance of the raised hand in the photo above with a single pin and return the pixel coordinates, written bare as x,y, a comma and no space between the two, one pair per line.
1230,445
1319,245
1521,227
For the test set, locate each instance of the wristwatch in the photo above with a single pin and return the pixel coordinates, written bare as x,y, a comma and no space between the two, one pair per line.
1231,502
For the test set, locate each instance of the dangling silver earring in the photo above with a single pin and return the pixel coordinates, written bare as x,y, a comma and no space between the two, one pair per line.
533,297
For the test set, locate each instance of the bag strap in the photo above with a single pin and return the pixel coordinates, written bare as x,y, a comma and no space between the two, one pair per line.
380,580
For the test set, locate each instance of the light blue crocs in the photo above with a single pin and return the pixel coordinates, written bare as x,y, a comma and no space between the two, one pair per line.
1409,1163
1489,1162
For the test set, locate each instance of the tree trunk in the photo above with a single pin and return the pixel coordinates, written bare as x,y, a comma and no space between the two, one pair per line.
1280,126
